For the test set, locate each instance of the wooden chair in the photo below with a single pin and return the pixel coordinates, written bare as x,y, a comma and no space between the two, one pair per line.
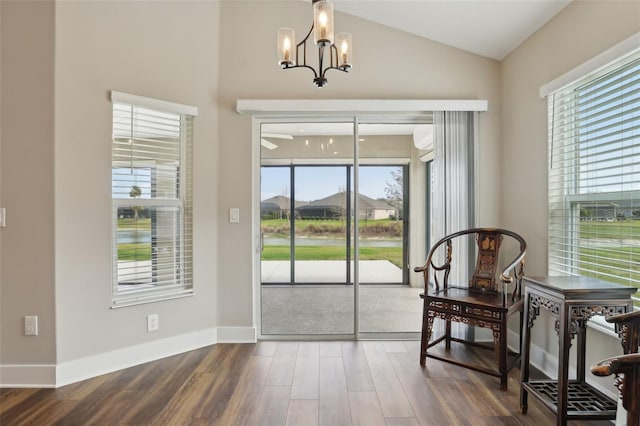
484,302
626,368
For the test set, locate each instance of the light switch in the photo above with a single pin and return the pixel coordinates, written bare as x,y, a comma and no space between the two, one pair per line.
234,215
3,217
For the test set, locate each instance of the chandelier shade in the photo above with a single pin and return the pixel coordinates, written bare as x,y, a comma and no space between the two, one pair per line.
323,23
286,47
344,45
334,52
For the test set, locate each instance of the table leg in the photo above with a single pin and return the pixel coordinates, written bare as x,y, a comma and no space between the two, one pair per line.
563,365
581,348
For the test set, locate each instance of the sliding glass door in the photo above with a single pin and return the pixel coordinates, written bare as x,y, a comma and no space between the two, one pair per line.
306,215
333,262
388,303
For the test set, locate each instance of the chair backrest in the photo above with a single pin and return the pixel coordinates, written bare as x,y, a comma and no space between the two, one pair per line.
484,276
489,241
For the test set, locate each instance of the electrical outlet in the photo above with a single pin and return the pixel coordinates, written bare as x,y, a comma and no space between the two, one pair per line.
31,325
153,323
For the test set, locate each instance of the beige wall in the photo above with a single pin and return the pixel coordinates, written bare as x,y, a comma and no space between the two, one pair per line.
387,64
26,181
164,50
581,31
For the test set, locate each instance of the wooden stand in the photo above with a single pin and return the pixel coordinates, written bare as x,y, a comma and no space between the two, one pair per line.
571,301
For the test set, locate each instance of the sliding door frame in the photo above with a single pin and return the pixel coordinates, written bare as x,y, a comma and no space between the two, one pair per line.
355,165
348,110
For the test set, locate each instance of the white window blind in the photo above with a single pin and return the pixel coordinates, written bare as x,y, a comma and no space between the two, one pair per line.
594,174
152,201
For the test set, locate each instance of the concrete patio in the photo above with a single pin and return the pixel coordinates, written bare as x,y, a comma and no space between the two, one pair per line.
326,308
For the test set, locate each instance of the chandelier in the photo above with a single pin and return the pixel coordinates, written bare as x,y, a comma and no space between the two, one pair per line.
337,51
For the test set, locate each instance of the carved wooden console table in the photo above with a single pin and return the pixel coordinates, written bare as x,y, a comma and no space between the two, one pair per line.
571,301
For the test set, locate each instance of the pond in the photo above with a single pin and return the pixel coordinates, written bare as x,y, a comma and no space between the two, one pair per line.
133,236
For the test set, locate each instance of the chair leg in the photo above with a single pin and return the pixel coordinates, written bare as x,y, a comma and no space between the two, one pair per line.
500,339
427,328
447,334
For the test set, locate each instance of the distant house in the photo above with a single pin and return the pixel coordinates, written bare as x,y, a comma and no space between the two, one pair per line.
334,206
375,209
609,211
277,207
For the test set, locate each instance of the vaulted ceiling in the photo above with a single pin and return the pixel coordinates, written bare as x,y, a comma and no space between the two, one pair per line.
491,28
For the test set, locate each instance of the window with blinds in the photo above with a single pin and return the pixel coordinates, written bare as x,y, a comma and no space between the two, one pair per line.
152,200
594,175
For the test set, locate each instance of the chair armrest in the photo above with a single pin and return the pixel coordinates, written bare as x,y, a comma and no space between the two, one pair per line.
505,276
615,365
624,318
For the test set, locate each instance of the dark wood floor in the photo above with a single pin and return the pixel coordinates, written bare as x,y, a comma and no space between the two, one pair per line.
278,383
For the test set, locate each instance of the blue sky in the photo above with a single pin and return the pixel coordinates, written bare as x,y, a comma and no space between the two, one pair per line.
313,183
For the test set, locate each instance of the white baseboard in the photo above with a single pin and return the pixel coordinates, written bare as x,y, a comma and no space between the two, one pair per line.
107,362
237,335
64,373
27,376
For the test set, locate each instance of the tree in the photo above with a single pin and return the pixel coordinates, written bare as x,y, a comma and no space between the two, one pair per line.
394,190
135,192
340,210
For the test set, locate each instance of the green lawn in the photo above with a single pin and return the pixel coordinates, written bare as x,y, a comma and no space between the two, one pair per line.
381,228
611,260
392,254
138,251
608,261
630,228
142,223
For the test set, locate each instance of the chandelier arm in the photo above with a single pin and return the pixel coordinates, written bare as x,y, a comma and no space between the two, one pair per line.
315,73
303,44
333,68
320,61
333,57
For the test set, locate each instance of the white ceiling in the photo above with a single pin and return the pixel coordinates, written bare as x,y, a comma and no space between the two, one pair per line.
491,28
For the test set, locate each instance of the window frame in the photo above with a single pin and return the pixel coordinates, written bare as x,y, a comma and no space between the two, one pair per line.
566,194
180,234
